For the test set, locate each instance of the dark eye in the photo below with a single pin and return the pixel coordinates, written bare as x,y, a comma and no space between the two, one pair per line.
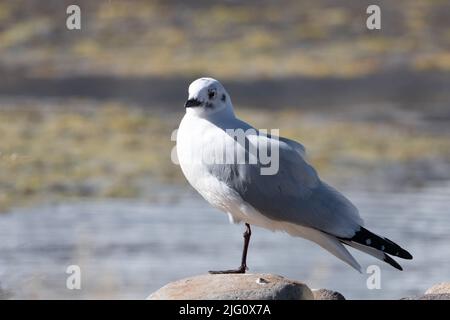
211,94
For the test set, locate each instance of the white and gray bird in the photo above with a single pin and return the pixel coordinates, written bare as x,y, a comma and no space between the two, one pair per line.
294,199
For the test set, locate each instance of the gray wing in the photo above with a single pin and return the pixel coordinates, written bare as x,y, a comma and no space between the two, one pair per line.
294,194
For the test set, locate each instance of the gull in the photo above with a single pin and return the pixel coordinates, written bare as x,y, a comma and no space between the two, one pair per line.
292,199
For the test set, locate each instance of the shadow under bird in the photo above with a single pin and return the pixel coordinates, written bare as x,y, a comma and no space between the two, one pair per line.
293,199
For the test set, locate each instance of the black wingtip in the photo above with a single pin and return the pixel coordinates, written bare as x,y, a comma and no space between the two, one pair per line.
407,255
370,239
392,262
399,252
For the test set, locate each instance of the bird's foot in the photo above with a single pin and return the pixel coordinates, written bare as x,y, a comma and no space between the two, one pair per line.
241,269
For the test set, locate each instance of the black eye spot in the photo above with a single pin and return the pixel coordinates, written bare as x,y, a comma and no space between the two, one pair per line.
224,97
211,94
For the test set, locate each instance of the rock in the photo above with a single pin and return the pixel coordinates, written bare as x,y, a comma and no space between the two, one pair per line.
439,288
234,287
440,291
325,294
441,296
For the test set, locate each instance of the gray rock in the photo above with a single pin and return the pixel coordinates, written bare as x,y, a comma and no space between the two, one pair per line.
234,287
442,296
325,294
443,287
440,291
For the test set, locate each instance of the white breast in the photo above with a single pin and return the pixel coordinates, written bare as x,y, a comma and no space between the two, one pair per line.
193,134
195,139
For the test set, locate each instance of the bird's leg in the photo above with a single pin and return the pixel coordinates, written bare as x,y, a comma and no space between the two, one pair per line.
247,234
243,267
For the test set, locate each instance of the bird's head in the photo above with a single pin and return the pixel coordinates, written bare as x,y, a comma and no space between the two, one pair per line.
207,96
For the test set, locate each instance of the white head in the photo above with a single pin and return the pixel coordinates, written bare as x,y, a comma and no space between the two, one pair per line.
207,96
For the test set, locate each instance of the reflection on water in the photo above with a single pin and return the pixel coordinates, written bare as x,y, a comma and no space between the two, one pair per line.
128,249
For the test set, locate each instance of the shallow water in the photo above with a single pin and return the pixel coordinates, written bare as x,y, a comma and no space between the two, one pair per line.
127,249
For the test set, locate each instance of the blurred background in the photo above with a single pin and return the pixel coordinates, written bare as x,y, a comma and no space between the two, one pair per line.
86,118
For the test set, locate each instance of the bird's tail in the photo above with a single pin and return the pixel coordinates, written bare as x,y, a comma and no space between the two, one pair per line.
325,240
377,246
332,244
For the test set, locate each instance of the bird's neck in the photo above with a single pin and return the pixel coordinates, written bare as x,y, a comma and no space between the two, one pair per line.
221,115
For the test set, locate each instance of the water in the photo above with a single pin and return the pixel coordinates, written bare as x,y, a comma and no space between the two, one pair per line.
128,249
